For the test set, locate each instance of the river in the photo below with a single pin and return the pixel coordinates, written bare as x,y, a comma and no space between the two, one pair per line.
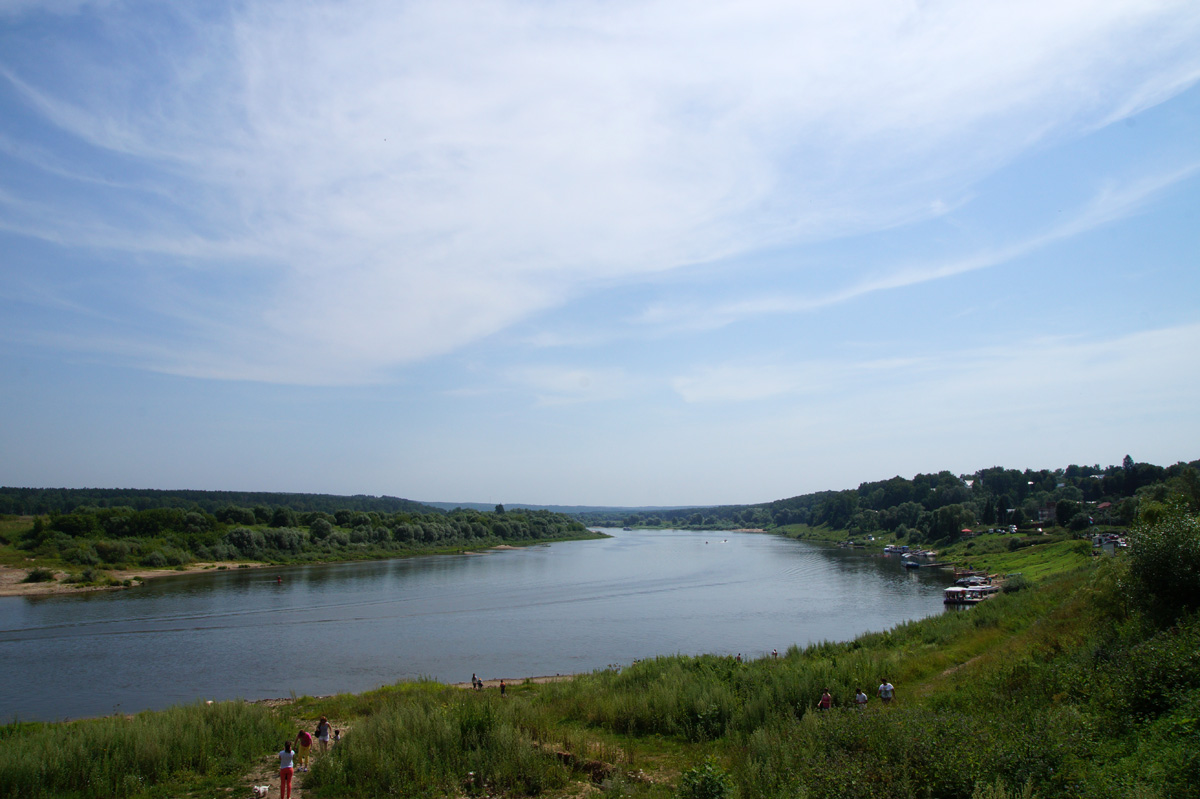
561,608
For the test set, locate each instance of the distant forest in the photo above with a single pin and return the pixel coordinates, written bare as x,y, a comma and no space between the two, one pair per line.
107,528
36,501
933,507
85,531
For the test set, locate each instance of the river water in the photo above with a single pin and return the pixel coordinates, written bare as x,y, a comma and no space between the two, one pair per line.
553,609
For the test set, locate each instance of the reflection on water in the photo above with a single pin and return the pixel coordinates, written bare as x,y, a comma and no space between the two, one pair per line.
556,609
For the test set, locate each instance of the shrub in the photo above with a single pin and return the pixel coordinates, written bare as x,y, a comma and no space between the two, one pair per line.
39,575
706,781
82,555
114,552
246,541
1014,583
155,560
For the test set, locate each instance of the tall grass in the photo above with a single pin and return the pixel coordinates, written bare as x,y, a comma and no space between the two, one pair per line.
123,757
431,743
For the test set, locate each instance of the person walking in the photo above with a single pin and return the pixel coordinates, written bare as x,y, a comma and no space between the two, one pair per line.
860,699
303,747
286,757
323,734
826,700
887,691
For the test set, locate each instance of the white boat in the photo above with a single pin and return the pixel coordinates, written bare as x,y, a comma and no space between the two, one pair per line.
968,595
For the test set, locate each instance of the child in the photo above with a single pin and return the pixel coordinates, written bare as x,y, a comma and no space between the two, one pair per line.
285,771
337,735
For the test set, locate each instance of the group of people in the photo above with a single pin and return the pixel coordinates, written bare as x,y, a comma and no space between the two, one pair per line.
291,758
886,691
477,684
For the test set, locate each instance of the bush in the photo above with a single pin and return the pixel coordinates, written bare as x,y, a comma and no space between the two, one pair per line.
39,575
114,552
155,560
82,555
1014,583
707,781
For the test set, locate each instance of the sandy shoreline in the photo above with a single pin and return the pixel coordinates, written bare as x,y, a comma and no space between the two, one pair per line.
11,578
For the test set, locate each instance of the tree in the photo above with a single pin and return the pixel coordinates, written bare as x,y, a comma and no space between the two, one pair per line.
1164,563
1064,509
320,528
283,517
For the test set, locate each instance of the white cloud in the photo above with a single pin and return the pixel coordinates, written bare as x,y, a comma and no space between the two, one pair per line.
1110,203
419,176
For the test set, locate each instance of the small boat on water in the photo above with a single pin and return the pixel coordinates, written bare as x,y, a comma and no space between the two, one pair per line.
969,595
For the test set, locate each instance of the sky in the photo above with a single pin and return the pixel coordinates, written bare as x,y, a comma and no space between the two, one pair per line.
622,253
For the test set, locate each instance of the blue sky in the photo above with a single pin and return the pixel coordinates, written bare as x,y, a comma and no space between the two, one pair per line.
626,253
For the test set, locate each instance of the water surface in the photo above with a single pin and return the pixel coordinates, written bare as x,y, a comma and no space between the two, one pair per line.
553,609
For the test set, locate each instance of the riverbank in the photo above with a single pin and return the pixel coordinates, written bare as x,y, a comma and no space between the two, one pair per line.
12,578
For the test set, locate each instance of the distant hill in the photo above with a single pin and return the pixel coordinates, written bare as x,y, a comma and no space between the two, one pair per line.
64,500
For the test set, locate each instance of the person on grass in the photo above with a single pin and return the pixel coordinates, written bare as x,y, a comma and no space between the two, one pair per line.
323,734
303,746
286,757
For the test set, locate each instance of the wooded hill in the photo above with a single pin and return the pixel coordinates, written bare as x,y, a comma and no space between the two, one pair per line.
933,507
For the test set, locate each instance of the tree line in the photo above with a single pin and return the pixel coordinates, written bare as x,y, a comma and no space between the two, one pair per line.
119,537
36,501
933,507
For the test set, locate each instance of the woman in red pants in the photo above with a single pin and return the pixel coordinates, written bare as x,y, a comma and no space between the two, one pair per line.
285,771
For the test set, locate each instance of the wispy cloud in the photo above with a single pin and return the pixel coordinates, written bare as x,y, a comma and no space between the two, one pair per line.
1112,202
421,176
1109,376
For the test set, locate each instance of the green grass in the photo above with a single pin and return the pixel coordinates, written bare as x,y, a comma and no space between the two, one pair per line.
128,757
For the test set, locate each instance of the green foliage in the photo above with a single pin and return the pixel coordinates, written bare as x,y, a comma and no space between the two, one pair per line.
1164,563
171,537
38,575
445,742
120,757
1014,583
706,781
